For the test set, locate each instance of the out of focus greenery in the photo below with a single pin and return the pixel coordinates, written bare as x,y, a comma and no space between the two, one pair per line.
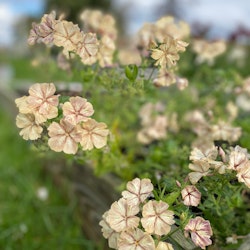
27,222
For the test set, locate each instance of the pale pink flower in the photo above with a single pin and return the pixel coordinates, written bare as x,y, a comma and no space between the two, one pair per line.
164,246
200,168
108,232
94,134
31,130
122,216
77,110
191,196
64,137
88,48
237,158
181,83
67,35
156,218
42,99
43,32
224,131
244,174
207,155
106,51
138,191
200,230
135,239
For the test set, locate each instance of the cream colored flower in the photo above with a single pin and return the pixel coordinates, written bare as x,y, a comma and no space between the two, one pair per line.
129,56
167,25
77,110
244,174
237,158
224,131
164,246
67,35
165,78
64,137
88,48
191,196
137,191
106,51
200,230
135,239
31,130
156,218
207,51
94,134
181,83
122,216
42,99
200,168
102,24
108,232
22,105
158,128
167,53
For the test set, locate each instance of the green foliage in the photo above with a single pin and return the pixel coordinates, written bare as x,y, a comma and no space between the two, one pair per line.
26,222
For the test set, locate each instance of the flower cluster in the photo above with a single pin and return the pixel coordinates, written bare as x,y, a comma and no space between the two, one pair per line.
166,56
75,126
207,51
154,123
208,131
62,33
205,162
121,224
135,222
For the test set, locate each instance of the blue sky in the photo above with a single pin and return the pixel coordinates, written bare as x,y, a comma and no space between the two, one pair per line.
11,11
224,15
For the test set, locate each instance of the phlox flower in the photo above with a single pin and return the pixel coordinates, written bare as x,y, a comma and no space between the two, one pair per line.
200,168
191,196
164,246
237,158
42,100
138,191
167,53
31,130
122,216
207,155
135,239
64,137
224,131
156,218
244,174
165,78
77,110
200,230
106,51
67,35
208,50
94,134
43,32
88,48
108,232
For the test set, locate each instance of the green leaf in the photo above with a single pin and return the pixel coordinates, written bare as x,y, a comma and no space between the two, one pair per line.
131,72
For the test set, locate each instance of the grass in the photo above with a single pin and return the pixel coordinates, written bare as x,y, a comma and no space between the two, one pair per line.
27,222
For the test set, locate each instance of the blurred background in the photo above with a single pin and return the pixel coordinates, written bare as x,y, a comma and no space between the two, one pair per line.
34,214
